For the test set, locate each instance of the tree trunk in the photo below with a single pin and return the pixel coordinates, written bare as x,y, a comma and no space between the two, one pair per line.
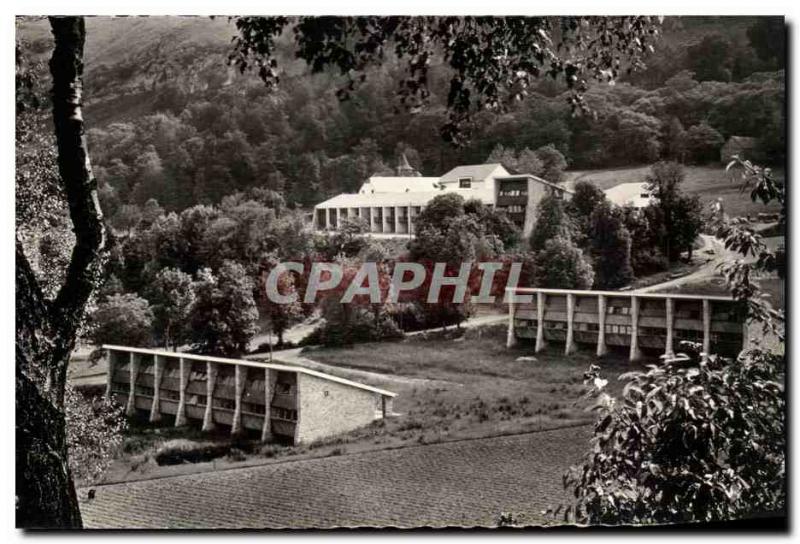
46,331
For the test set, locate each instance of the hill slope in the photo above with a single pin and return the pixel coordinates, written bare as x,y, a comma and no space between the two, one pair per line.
708,182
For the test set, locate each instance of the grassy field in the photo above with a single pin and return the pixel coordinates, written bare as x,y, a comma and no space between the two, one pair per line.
477,385
450,386
708,182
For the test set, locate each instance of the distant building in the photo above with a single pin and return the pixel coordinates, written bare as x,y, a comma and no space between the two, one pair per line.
629,194
654,322
278,401
390,203
737,145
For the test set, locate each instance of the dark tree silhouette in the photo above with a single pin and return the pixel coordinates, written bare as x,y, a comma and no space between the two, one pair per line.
46,330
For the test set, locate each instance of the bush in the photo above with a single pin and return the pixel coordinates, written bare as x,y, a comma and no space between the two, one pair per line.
688,441
648,261
361,326
123,320
562,265
176,452
415,316
264,347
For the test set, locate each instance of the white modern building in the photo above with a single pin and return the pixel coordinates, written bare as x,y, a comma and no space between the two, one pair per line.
390,203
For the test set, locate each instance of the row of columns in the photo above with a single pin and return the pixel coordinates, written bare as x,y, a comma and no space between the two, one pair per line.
602,304
399,222
212,374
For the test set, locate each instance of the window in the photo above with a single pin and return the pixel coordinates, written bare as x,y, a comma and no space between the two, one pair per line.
224,403
464,183
283,413
283,388
143,390
254,408
169,394
118,387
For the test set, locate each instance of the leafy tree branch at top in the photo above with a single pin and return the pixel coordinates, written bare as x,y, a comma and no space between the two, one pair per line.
493,60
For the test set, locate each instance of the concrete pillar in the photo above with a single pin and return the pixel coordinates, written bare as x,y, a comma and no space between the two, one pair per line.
236,426
636,354
569,347
745,335
397,219
269,389
511,338
130,409
185,370
706,328
338,218
410,224
112,366
371,219
602,349
540,301
669,351
158,371
212,371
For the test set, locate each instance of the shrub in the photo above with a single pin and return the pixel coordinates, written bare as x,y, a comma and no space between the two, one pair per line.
648,261
125,319
175,452
688,441
361,326
561,265
94,433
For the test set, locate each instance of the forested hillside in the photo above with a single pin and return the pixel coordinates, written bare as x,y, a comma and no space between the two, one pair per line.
171,121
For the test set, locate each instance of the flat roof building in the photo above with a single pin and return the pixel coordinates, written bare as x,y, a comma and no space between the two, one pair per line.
279,401
389,203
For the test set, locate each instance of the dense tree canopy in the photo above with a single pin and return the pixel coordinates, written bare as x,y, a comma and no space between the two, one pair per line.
205,136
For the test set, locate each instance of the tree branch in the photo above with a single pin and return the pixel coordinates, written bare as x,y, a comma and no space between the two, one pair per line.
66,67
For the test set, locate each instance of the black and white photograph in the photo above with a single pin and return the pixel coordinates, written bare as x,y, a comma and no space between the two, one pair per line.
507,271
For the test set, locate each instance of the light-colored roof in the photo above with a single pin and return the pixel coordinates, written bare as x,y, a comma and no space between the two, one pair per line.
626,294
412,198
383,184
478,172
629,194
272,366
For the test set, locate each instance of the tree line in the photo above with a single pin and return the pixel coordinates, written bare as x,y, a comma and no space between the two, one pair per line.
197,143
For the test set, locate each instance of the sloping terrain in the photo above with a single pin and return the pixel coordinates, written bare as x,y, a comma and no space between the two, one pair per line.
708,182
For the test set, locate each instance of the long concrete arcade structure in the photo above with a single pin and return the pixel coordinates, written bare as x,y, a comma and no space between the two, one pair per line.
655,322
280,401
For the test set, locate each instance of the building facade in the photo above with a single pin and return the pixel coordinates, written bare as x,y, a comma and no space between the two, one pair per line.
641,322
389,204
279,401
